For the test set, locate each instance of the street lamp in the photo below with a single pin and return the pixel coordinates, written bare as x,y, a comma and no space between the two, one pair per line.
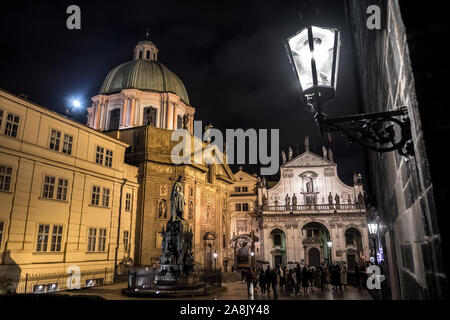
330,245
373,232
314,55
215,260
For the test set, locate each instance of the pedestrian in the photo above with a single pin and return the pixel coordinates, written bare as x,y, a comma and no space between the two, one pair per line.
298,275
243,274
267,277
294,281
344,275
311,271
325,276
250,280
305,279
338,277
274,278
316,277
262,281
357,275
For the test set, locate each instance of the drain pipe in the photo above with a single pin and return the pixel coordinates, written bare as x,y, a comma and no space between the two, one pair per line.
118,229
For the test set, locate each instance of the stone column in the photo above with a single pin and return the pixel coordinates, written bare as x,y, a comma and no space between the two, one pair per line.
98,114
170,111
124,112
132,111
174,117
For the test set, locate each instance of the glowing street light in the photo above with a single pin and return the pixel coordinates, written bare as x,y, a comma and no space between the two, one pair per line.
76,103
314,54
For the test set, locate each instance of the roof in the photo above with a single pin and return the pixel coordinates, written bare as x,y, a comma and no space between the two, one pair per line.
145,75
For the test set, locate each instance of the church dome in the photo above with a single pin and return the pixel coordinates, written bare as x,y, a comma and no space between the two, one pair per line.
144,73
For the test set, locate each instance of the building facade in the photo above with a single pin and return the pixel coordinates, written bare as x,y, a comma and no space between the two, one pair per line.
402,186
68,200
142,102
244,233
310,216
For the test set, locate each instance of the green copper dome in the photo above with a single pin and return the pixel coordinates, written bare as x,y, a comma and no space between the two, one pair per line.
145,75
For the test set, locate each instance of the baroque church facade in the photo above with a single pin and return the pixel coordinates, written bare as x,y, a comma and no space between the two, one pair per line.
309,216
140,103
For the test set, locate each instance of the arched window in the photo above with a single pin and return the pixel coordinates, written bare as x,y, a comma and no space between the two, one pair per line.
147,55
140,54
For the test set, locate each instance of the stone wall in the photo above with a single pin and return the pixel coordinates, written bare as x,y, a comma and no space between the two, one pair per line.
402,186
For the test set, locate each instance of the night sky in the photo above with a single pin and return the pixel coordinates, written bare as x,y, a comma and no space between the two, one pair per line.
229,55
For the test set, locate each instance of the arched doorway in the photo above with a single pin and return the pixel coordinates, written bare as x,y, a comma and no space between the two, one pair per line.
242,245
209,249
353,247
314,257
316,236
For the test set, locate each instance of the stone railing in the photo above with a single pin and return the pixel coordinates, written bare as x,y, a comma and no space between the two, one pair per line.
311,208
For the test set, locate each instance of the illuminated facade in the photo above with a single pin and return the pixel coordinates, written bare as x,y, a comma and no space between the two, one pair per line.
309,207
141,102
244,233
67,198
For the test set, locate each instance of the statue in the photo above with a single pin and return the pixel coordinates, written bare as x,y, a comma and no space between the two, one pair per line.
330,199
186,122
324,150
360,198
283,156
177,201
288,200
162,208
290,154
294,200
337,199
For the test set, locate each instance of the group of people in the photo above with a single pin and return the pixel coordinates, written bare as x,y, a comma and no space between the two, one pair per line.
295,279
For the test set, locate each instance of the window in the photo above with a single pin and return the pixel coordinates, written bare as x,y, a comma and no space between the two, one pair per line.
244,189
126,240
238,207
92,237
114,119
1,118
277,240
55,139
101,240
61,193
12,125
49,187
128,202
42,239
149,116
108,158
105,197
2,225
44,235
140,54
147,55
179,122
99,155
224,241
245,207
67,146
95,196
237,189
5,178
56,238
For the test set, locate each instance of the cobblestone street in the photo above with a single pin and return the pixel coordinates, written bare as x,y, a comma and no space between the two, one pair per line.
235,290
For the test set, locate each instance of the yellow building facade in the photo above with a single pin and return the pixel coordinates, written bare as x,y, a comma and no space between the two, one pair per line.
68,200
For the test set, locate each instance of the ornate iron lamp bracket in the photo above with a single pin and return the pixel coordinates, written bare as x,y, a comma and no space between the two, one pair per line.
382,132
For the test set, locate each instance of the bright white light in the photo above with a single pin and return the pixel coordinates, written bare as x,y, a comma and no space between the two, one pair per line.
76,103
330,244
373,228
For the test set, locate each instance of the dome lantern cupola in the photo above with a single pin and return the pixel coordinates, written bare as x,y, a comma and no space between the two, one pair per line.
146,50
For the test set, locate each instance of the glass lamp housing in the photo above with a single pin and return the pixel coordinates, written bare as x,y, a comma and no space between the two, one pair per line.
314,53
373,228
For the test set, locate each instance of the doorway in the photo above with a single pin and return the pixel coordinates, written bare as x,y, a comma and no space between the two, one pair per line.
314,257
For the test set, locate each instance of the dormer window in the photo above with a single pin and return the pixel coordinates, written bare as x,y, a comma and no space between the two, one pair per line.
147,56
140,54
